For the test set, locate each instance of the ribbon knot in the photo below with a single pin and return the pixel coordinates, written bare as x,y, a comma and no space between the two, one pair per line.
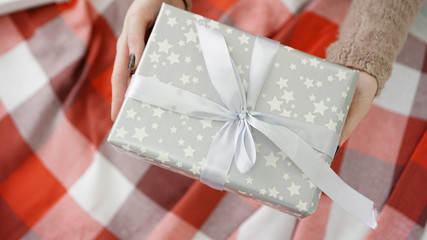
243,114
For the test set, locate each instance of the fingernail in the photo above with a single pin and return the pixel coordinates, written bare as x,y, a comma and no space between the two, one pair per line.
131,61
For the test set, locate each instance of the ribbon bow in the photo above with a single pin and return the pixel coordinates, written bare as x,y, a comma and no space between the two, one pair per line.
300,141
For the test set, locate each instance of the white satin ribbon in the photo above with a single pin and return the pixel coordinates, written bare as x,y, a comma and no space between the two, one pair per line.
300,141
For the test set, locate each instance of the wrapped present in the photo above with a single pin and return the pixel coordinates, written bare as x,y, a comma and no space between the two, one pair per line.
9,6
239,112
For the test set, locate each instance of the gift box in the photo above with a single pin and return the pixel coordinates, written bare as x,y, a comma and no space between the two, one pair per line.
9,6
239,112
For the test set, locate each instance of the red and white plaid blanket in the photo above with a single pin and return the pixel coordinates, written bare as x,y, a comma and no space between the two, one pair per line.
60,179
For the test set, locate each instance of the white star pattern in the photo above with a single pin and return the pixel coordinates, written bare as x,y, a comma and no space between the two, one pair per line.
181,142
206,123
140,134
184,79
341,75
199,137
273,192
302,206
164,46
173,58
282,83
262,191
308,83
285,113
293,189
163,157
173,129
293,67
288,96
270,160
244,39
188,152
171,22
213,24
198,17
157,112
195,169
121,132
199,68
143,149
285,176
320,108
154,57
130,113
249,180
313,62
309,117
191,36
340,116
275,104
331,125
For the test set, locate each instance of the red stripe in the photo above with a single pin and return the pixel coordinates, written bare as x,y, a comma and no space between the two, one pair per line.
198,203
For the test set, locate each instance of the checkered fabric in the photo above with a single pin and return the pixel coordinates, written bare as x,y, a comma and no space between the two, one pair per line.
60,179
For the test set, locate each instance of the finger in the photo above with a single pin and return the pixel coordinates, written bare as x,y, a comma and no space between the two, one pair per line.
362,101
120,76
137,26
355,114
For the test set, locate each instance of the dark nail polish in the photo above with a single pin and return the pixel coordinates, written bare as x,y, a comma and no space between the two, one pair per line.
338,147
131,61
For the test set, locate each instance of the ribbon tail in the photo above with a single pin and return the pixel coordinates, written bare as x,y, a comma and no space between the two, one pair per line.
218,161
318,171
318,137
245,155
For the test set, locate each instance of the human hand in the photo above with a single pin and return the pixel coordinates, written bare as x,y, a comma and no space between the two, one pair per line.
363,96
139,18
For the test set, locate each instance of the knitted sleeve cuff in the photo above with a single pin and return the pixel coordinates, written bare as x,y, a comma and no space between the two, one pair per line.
359,58
372,35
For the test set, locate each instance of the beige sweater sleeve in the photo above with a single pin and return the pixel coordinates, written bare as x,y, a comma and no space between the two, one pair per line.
372,35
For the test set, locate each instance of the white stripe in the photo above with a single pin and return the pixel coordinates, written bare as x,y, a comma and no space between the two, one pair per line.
294,5
267,223
342,225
